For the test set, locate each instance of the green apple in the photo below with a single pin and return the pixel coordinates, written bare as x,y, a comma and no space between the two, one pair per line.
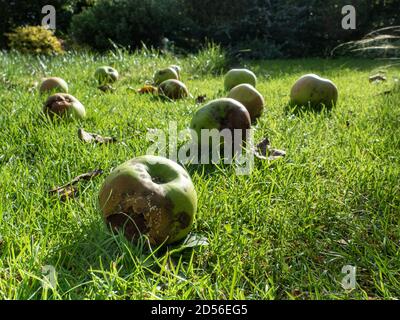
177,69
64,105
220,114
235,77
53,84
312,90
151,196
173,89
106,75
165,74
250,98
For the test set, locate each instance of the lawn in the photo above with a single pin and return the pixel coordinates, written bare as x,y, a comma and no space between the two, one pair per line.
283,232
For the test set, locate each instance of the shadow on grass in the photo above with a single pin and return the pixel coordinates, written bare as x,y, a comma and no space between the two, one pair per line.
95,251
306,109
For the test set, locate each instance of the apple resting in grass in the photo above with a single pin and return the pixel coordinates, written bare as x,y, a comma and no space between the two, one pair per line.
312,90
106,75
151,196
165,74
177,69
64,105
235,77
220,114
250,98
53,84
173,89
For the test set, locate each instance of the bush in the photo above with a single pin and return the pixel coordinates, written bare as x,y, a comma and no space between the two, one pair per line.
127,23
27,12
37,40
265,28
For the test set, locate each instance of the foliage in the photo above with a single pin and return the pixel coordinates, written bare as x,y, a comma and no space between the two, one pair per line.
126,22
34,39
26,12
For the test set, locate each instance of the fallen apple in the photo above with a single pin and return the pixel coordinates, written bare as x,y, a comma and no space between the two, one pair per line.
53,84
173,89
235,77
106,75
165,74
312,90
151,196
250,98
64,105
177,69
220,114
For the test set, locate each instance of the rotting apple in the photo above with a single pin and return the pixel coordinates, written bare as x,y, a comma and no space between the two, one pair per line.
165,74
53,84
314,91
106,75
173,89
221,114
151,196
64,105
250,98
235,77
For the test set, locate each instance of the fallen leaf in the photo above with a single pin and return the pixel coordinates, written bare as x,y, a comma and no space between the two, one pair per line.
276,154
69,190
195,240
264,151
262,148
148,89
201,99
376,78
93,137
65,192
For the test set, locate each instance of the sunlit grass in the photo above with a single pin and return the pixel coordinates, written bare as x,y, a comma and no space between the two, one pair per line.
283,232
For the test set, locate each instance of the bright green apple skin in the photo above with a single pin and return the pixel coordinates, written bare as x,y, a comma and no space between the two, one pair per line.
312,90
247,95
152,193
64,105
173,89
220,114
54,85
106,75
165,74
235,77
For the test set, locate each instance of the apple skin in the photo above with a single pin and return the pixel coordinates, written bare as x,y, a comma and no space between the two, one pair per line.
220,114
248,96
173,89
149,195
177,69
235,77
106,75
314,91
165,74
53,84
64,105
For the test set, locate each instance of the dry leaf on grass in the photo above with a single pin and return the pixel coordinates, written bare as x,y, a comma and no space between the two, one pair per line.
69,190
148,89
94,137
376,78
264,151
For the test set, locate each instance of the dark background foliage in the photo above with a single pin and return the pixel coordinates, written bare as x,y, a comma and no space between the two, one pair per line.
249,28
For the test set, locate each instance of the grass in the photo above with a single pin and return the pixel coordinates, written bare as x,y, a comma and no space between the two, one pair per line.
283,232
